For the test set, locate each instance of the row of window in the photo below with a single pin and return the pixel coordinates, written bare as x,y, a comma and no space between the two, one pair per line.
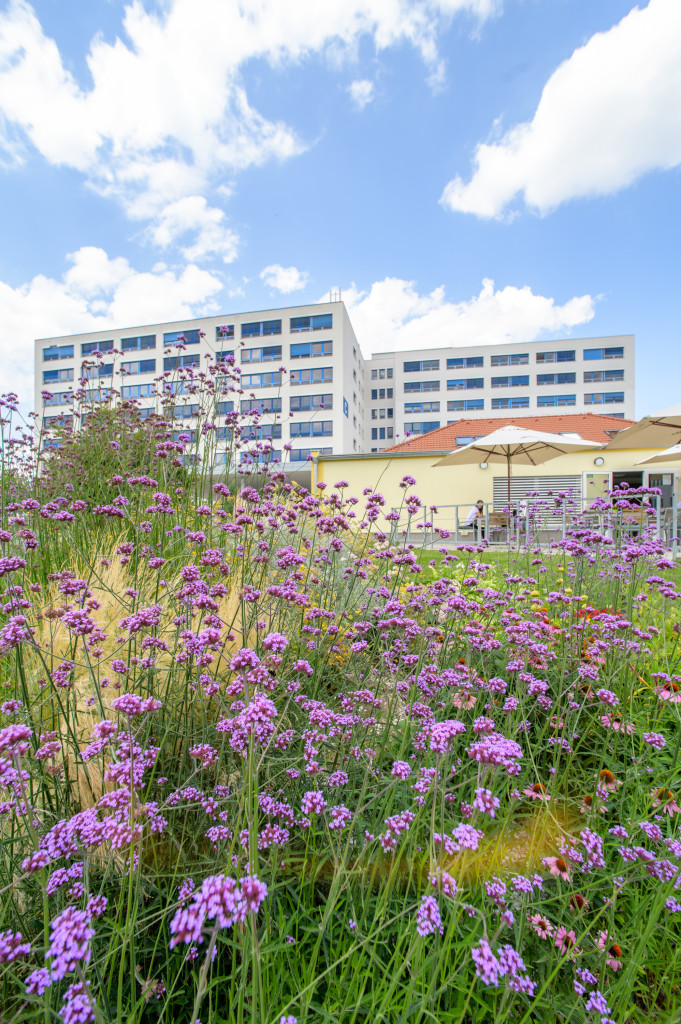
192,336
297,403
274,353
382,433
381,393
511,359
513,381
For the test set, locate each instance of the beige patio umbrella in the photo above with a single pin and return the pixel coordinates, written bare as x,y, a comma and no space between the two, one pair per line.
511,444
656,431
672,454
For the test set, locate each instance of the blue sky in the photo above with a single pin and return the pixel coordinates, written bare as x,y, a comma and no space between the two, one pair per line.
464,170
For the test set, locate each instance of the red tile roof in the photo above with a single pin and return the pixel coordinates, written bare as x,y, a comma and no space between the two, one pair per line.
590,426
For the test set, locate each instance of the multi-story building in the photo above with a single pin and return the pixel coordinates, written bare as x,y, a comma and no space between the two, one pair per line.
331,401
420,390
317,406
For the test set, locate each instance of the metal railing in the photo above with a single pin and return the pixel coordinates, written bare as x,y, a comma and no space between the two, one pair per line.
541,521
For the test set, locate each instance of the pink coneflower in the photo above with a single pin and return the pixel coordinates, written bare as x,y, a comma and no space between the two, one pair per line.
613,960
557,866
566,941
665,799
537,792
462,699
607,780
541,925
616,724
669,691
587,805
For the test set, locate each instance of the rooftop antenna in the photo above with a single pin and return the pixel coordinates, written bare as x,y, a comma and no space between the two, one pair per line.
334,295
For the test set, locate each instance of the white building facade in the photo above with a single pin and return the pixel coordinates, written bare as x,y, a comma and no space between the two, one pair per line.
331,400
418,391
316,406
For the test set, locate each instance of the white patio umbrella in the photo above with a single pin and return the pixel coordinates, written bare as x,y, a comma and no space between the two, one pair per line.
656,431
672,454
511,444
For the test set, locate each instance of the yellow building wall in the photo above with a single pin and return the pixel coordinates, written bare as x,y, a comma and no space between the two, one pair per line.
463,485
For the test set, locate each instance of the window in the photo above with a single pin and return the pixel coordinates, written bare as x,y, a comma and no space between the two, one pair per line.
421,428
58,421
177,362
313,428
261,404
616,352
307,403
381,393
605,398
319,322
510,403
260,328
312,350
141,366
223,409
466,405
224,331
185,412
223,357
262,430
320,375
143,341
602,376
255,457
302,454
465,384
382,434
267,354
422,366
511,359
192,337
544,401
138,391
261,380
518,380
60,398
421,385
415,407
555,378
57,352
88,347
382,374
465,363
97,371
97,395
51,376
567,356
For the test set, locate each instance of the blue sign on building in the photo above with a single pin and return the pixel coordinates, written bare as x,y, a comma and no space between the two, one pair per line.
346,407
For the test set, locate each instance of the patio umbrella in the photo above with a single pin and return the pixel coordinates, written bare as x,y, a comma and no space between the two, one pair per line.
512,444
656,431
672,454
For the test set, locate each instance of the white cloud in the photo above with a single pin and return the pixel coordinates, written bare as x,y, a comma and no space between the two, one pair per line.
193,214
284,279
94,293
361,92
608,115
165,115
392,316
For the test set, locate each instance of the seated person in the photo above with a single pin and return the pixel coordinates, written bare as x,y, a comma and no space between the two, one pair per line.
475,518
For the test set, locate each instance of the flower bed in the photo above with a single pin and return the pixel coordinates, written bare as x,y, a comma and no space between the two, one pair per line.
260,765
